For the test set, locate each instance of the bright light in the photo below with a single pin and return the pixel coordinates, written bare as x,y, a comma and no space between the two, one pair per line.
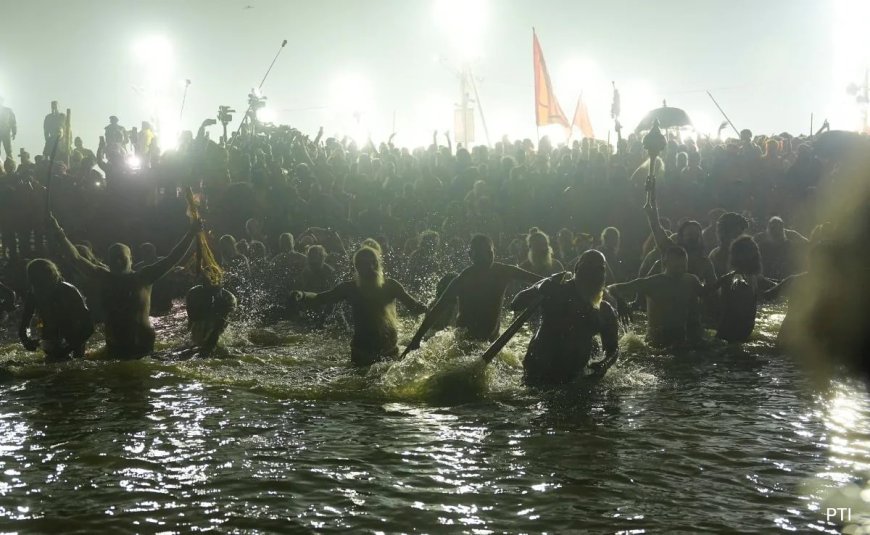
351,92
463,21
637,99
352,107
133,162
851,56
581,75
267,115
434,112
704,124
161,95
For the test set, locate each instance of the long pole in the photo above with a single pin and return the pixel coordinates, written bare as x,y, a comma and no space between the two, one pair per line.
463,88
723,113
263,81
183,99
811,124
479,107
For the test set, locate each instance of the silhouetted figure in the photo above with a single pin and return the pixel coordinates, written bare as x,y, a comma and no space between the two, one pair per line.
572,313
8,128
480,291
208,307
671,300
373,301
126,294
66,321
53,128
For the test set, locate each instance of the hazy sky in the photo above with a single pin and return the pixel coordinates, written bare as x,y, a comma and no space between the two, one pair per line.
770,63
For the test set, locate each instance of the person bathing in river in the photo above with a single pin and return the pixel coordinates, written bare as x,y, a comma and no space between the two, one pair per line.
729,227
671,301
66,320
208,307
373,301
740,291
540,259
572,314
688,236
126,294
479,289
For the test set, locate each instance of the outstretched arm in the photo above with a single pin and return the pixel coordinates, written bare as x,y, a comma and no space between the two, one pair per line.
416,307
652,215
521,274
628,288
329,297
69,251
151,273
525,298
784,285
447,298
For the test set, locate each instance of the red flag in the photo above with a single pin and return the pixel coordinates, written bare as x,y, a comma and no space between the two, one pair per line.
547,109
581,119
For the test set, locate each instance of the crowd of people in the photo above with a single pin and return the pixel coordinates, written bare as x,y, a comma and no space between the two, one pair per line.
302,224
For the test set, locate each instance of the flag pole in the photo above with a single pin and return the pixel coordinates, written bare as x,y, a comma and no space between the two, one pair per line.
723,113
537,126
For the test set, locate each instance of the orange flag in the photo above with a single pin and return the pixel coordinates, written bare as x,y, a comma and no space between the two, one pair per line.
581,119
547,109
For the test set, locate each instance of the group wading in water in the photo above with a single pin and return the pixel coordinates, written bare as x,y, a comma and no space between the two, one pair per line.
323,232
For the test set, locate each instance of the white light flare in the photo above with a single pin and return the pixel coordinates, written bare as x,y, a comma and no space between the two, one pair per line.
851,57
463,22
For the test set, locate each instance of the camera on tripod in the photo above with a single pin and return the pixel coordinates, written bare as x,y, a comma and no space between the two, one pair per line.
225,114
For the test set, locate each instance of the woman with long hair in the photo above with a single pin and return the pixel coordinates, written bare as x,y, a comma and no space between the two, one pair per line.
373,300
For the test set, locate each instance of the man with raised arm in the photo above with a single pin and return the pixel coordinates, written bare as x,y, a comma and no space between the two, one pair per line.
689,236
125,294
480,290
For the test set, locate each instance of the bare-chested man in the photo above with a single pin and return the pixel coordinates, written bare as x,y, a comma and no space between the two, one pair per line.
671,300
125,294
373,300
66,321
480,290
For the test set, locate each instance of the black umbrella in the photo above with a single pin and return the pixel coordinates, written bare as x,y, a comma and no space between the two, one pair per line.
667,117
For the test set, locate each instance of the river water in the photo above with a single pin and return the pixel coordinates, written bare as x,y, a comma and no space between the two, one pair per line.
282,435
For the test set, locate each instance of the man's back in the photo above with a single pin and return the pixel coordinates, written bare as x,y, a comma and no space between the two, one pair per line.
481,296
672,307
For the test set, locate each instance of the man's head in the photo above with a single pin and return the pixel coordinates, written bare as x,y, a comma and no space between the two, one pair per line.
119,259
257,250
42,275
228,246
538,244
729,227
676,261
53,106
148,253
367,264
590,272
744,257
610,238
316,256
481,250
78,142
746,135
113,119
286,243
689,236
776,229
